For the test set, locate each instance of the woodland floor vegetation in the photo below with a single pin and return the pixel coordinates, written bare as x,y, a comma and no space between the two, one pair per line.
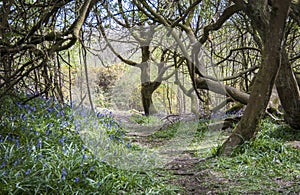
44,152
268,164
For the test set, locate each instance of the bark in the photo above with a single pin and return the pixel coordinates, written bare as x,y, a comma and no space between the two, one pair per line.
6,60
289,93
221,105
189,93
148,87
262,87
224,124
218,87
87,79
194,104
298,79
147,90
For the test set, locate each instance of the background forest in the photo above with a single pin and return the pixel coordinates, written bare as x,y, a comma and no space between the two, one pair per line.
149,97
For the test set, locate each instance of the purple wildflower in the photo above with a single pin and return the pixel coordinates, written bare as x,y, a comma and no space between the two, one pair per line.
62,140
18,143
28,148
27,172
76,180
39,144
64,173
23,117
128,145
3,164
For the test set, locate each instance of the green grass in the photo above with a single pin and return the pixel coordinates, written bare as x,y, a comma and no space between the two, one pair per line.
144,120
47,148
266,165
171,130
166,133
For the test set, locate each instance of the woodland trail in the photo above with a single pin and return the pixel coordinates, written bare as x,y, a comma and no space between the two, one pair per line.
177,154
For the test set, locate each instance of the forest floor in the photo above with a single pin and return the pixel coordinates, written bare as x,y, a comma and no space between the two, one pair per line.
49,148
178,152
185,146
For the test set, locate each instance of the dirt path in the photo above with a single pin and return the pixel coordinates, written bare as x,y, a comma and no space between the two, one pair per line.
176,154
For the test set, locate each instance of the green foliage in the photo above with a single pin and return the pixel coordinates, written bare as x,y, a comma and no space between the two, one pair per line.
134,98
202,129
139,119
266,164
43,151
107,77
167,133
143,120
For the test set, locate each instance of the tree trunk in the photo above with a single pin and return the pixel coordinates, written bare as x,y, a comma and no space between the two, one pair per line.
297,75
147,90
148,87
218,87
194,99
194,104
87,79
262,87
287,85
289,93
6,59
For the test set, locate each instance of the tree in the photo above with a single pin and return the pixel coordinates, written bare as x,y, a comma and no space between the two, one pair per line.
268,27
32,35
142,30
288,91
272,26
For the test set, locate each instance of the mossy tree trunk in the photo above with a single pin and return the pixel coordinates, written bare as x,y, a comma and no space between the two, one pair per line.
272,33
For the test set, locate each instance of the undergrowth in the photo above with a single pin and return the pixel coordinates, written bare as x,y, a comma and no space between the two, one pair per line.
144,120
266,165
166,133
48,148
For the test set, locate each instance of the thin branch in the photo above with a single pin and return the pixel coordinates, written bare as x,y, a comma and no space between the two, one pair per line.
251,69
187,11
127,61
237,49
227,13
